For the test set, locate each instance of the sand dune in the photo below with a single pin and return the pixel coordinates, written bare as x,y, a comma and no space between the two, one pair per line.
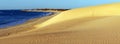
105,10
81,33
91,25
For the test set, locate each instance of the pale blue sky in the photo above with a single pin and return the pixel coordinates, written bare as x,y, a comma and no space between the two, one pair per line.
25,4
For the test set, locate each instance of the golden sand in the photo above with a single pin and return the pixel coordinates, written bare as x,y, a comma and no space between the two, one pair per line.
91,25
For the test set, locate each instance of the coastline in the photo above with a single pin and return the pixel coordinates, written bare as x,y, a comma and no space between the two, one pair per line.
26,26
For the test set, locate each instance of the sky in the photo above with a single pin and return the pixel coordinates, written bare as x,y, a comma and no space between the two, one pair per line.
29,4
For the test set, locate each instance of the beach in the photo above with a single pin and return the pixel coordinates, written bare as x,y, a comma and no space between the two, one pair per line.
90,25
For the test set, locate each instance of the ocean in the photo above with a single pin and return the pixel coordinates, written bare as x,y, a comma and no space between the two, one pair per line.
10,18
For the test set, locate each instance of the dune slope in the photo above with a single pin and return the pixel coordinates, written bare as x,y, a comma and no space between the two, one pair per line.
95,11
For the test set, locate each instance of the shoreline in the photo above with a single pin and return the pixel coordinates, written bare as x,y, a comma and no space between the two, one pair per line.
25,26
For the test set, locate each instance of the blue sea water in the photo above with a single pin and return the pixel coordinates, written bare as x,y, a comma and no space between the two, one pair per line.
10,18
